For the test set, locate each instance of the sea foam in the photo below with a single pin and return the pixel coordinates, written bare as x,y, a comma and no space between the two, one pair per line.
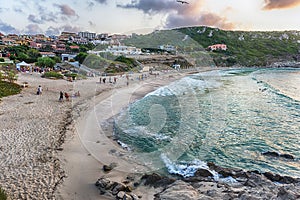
188,169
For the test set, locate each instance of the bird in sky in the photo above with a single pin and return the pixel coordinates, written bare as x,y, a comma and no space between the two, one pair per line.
183,2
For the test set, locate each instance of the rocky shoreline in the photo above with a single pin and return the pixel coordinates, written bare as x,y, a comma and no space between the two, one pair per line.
248,185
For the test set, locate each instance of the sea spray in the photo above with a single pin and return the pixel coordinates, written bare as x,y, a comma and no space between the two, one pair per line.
188,169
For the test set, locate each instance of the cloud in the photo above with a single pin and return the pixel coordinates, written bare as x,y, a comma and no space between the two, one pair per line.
52,31
280,4
153,6
92,24
66,10
178,15
207,19
33,19
90,5
101,1
6,28
69,28
33,29
18,10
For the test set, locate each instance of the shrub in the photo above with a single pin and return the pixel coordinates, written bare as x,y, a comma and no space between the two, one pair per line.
73,75
2,60
3,195
53,74
7,89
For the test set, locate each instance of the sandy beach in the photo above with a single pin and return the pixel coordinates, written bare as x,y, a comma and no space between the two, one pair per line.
56,150
31,134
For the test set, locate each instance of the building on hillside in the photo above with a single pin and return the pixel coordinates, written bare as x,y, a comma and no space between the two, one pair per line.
118,37
48,54
118,50
87,35
217,47
67,57
102,36
123,50
8,41
66,36
169,48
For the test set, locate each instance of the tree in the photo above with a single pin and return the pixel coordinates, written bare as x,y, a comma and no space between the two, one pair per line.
45,62
22,56
81,57
56,59
33,53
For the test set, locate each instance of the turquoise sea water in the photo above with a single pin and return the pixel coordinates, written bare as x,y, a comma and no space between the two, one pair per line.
228,117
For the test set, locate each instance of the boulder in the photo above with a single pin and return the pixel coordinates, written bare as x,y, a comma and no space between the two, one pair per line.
157,180
284,194
287,156
117,188
123,195
203,173
179,190
276,154
270,153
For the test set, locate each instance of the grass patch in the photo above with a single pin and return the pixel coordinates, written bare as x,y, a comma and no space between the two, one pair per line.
3,195
52,74
7,89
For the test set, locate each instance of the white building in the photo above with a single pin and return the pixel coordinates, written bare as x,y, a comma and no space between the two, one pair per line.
87,35
67,57
169,48
119,50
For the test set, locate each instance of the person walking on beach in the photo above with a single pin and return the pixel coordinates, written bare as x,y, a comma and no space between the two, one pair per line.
100,80
104,80
67,96
39,90
61,96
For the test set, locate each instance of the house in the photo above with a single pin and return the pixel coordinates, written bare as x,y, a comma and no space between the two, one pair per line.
48,54
169,48
217,47
67,57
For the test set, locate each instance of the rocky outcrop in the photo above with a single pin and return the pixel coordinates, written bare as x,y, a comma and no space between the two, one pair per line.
157,180
115,189
278,155
179,190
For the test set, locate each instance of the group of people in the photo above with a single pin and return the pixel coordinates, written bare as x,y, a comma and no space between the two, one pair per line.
62,94
109,80
67,96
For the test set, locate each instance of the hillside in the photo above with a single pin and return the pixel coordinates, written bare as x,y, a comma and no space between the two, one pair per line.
244,48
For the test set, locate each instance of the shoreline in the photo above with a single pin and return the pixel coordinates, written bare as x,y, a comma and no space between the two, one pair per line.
66,163
90,139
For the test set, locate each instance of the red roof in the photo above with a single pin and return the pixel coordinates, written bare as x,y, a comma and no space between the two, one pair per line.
74,47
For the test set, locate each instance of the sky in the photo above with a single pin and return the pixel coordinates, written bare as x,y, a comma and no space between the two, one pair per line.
51,17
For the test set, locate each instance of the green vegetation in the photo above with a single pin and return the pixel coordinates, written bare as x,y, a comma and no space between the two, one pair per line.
2,60
130,62
45,62
23,53
81,57
3,195
96,62
246,48
243,48
73,75
7,89
53,74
